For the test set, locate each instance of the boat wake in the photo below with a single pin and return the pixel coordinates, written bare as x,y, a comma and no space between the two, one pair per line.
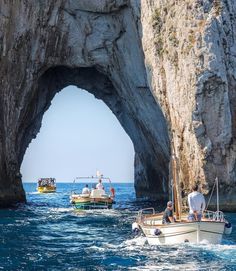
62,210
137,241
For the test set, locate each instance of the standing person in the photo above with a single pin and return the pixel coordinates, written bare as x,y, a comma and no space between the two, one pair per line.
196,203
168,214
85,190
99,185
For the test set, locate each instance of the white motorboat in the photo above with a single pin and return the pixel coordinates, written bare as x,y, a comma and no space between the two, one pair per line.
209,230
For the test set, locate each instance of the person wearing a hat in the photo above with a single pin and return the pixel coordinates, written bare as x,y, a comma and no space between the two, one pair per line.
168,214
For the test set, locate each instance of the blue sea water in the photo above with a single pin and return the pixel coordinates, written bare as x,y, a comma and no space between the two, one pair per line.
47,234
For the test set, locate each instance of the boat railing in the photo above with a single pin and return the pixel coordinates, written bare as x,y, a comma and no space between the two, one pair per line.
214,216
145,212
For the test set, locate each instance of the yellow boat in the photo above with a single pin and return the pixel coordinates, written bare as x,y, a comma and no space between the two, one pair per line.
46,185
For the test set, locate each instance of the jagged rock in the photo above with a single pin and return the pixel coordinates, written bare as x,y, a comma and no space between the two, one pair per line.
166,69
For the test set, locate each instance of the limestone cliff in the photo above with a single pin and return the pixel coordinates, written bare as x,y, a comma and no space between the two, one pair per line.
189,49
166,69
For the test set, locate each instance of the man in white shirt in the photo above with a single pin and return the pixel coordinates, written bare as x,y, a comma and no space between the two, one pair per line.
85,190
196,203
99,185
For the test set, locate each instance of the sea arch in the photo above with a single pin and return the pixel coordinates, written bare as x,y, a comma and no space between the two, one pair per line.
96,47
78,137
151,174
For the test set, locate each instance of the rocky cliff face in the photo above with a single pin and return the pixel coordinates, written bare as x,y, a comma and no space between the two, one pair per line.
189,49
166,69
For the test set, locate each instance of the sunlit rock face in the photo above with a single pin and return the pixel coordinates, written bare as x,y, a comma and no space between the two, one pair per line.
165,68
190,59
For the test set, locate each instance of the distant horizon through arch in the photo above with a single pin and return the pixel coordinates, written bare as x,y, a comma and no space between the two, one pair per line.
79,135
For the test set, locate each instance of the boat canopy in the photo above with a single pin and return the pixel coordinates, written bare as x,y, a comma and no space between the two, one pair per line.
46,181
95,178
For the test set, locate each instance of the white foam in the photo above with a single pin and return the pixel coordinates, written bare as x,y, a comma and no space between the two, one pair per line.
100,249
166,266
137,241
62,210
106,213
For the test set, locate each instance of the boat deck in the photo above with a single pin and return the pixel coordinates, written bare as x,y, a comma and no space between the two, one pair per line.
156,219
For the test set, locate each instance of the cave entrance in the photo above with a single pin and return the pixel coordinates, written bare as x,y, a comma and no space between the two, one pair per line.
79,135
135,108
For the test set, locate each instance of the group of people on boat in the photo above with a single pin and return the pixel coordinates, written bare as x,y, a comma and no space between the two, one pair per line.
196,203
46,182
99,186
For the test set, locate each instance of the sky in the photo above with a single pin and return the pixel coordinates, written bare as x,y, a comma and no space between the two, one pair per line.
79,135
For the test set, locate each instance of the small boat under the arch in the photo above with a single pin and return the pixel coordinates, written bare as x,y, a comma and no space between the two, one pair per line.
46,185
96,198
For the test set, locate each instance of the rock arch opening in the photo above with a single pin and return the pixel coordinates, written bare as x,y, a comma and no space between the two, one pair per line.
79,135
136,110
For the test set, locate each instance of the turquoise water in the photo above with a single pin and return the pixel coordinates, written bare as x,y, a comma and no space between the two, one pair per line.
46,234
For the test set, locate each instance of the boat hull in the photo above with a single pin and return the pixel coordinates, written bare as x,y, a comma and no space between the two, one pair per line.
192,232
46,189
92,203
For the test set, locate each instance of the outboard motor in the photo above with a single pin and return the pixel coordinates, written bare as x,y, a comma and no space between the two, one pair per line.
228,228
135,228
